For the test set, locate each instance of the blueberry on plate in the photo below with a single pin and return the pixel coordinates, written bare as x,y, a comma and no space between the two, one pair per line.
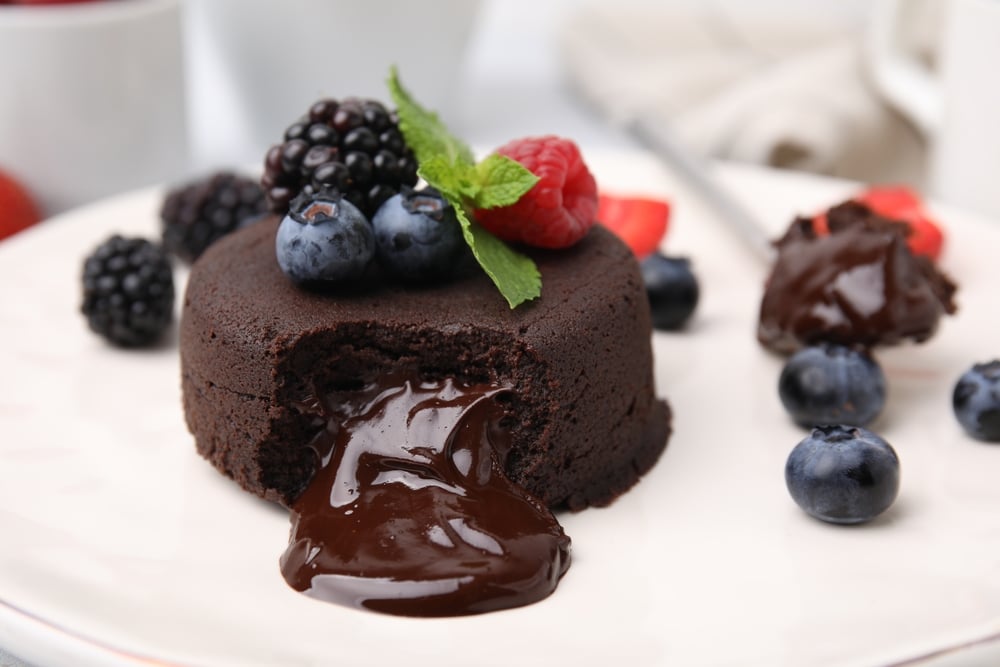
843,474
672,290
324,239
417,235
832,384
976,401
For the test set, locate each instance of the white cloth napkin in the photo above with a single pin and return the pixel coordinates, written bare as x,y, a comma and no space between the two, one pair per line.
782,88
8,660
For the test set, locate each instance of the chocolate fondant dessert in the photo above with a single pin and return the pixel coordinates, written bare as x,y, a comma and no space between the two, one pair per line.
584,420
284,386
858,284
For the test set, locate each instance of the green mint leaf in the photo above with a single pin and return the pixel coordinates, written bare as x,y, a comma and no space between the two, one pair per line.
448,165
456,182
502,181
425,133
514,274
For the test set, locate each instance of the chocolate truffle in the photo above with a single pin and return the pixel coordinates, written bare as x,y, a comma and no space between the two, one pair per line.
858,285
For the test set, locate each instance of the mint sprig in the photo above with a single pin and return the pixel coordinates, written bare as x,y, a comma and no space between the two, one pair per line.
448,165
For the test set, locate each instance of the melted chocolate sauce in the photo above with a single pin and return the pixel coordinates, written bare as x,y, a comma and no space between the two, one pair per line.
858,285
411,513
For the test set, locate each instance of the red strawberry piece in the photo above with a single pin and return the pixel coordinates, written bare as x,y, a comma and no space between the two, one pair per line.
898,202
50,2
891,199
640,222
926,237
17,209
561,207
820,224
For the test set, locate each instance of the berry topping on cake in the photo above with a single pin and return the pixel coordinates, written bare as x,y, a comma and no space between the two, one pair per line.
354,146
976,401
843,474
641,222
324,238
197,214
560,209
832,384
128,291
672,290
417,235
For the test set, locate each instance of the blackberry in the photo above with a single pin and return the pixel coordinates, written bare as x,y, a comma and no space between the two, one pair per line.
197,214
128,291
353,146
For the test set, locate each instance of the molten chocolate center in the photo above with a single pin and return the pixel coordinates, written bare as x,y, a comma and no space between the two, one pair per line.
410,512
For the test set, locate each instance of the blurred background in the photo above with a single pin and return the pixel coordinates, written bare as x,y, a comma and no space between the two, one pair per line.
102,96
776,81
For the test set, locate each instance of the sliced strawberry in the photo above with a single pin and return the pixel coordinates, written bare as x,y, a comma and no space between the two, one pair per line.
891,199
17,209
640,222
47,2
926,237
820,224
898,202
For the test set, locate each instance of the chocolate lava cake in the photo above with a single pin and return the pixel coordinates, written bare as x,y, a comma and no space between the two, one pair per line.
583,419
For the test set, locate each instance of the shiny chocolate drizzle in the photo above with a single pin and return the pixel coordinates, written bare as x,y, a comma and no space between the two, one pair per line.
410,512
858,285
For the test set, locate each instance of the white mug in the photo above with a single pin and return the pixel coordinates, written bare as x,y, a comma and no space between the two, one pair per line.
957,106
94,98
277,58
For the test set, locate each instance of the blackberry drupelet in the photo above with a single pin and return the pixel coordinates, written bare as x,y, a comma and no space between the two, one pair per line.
128,291
353,146
197,214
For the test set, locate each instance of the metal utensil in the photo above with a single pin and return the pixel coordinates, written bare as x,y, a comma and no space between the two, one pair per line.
658,138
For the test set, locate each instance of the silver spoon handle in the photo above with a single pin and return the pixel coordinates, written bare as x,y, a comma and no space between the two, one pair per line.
657,138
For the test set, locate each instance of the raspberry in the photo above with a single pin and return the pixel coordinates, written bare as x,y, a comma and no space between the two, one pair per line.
353,146
197,214
128,291
560,209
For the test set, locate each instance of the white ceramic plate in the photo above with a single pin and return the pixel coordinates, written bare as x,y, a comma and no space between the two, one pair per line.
121,545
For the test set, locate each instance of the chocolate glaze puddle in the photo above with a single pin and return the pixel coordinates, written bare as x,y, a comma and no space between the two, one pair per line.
411,513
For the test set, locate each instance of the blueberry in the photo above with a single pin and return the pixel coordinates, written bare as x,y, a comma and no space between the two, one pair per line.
976,401
832,384
324,239
417,235
672,290
843,474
